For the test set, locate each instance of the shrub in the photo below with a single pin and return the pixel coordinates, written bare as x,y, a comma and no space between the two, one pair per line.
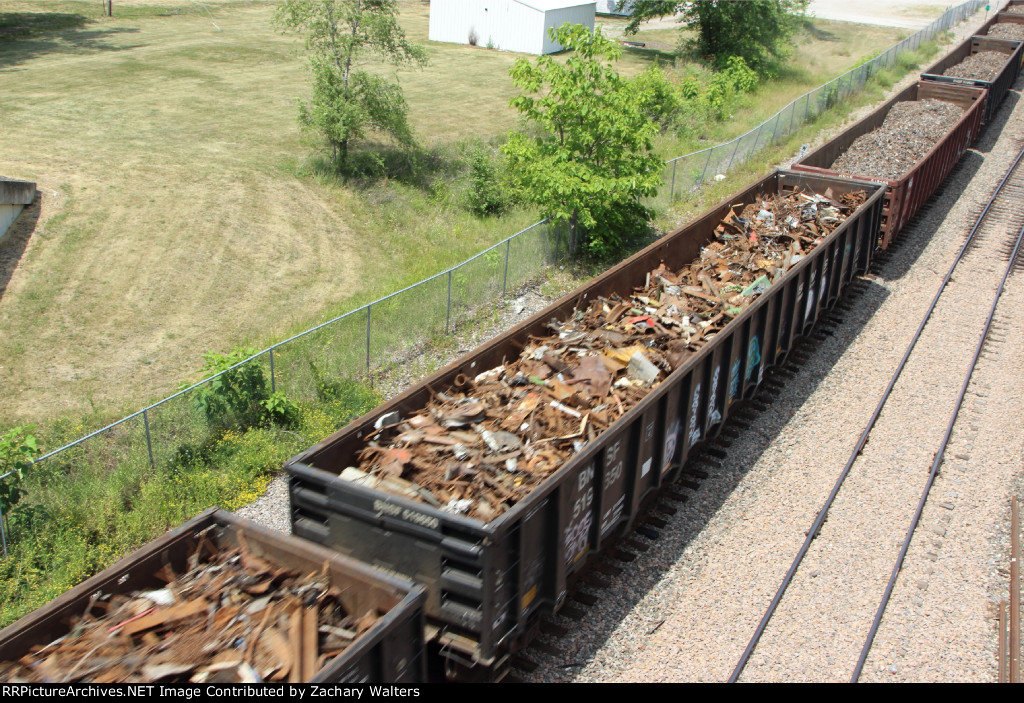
487,193
237,395
18,449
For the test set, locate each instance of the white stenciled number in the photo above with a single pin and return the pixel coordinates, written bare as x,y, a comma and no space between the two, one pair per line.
576,536
612,466
582,504
582,518
612,474
585,490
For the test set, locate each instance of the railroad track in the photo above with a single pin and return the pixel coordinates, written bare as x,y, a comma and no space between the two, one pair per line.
982,263
836,546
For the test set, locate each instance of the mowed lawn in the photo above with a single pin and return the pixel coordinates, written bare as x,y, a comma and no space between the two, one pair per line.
177,213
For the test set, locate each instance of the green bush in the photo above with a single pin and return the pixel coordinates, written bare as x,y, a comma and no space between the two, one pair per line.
238,396
487,193
18,449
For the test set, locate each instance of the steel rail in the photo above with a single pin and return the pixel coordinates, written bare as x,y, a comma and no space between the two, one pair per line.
1013,665
823,513
939,456
1001,676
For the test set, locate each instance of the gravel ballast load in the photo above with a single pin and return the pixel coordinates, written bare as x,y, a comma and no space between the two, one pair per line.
909,131
1007,30
983,66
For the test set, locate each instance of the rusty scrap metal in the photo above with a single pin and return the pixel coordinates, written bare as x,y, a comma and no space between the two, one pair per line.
232,618
484,443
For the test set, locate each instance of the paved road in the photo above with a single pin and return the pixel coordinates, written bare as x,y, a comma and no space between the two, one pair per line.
912,14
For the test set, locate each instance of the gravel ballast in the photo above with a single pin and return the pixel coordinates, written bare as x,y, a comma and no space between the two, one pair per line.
983,66
907,134
1007,30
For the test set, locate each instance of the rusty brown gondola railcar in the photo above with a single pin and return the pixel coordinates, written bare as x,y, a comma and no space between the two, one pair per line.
905,195
487,583
996,88
391,651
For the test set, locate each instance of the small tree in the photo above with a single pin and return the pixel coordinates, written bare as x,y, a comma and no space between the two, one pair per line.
758,31
347,101
18,449
595,160
238,396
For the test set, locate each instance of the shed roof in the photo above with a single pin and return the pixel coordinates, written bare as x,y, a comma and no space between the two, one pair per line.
545,5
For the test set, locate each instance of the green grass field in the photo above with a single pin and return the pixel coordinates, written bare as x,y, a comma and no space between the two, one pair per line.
181,209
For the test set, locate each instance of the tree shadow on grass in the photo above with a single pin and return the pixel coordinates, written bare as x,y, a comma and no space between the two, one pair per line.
27,35
650,54
812,28
371,163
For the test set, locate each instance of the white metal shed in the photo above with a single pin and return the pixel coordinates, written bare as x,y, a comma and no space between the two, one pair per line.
611,7
510,25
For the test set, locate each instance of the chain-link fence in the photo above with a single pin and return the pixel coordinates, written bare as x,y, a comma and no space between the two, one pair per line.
378,334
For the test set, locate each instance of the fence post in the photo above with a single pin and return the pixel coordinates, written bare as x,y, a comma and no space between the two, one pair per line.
3,532
558,240
757,140
149,440
448,314
738,140
273,385
368,307
672,189
704,173
504,281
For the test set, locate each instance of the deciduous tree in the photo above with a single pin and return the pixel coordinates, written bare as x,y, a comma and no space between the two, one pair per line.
758,31
593,161
348,100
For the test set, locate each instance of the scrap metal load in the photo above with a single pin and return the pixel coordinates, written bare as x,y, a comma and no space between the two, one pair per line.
232,618
983,66
484,443
907,134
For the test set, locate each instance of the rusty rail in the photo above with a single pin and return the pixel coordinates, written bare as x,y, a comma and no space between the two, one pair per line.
1001,674
1014,658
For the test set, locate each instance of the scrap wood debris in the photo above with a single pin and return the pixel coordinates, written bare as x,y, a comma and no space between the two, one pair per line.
232,618
484,443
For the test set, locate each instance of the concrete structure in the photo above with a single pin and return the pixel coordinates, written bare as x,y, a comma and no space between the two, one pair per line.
509,25
14,196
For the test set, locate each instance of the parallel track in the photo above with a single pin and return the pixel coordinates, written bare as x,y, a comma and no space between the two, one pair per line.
998,230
